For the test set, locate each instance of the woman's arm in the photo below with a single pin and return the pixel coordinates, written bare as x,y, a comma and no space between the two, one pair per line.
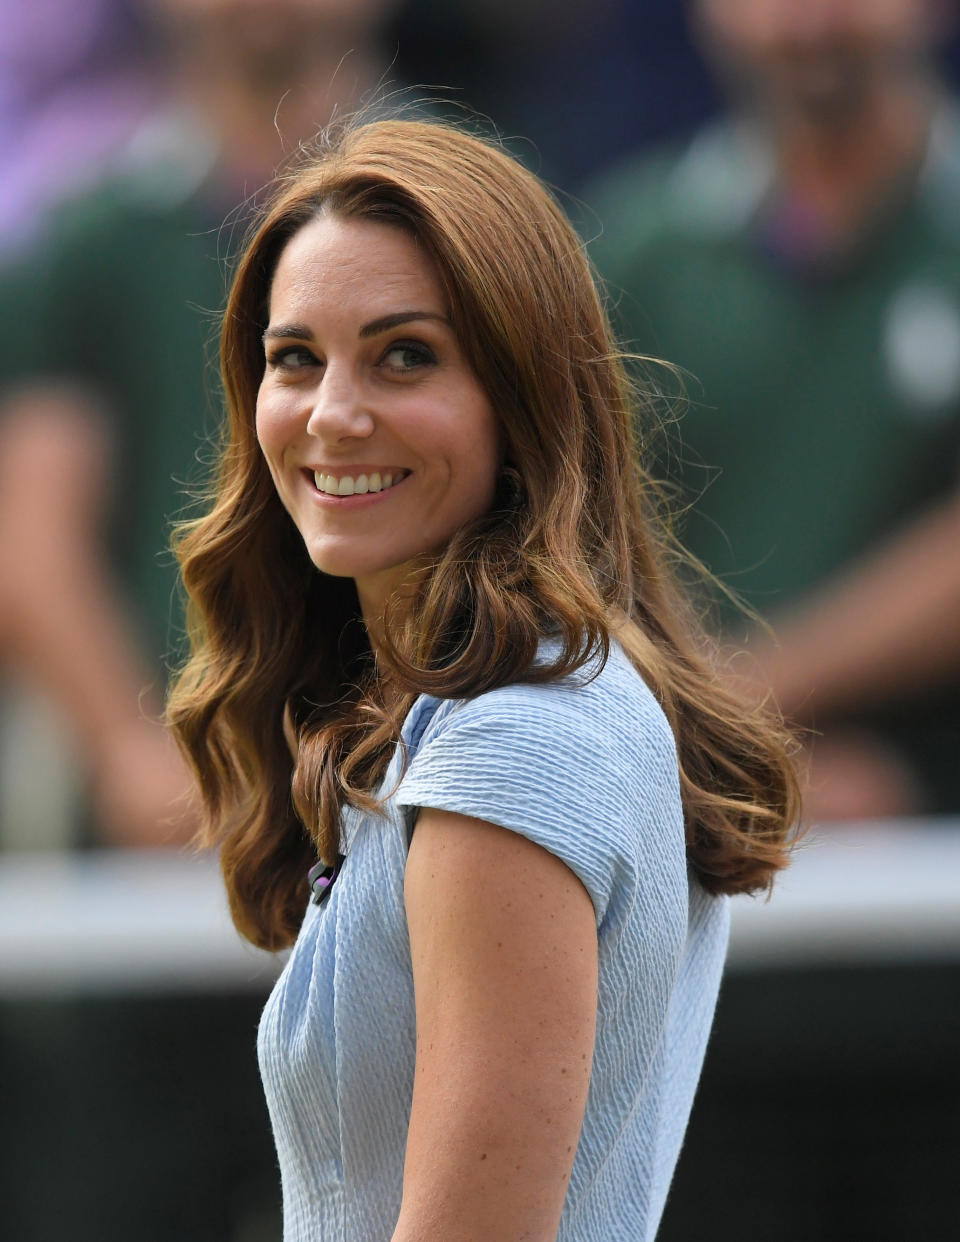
504,944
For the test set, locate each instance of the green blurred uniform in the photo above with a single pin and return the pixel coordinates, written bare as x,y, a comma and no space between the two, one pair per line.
824,393
133,1117
122,298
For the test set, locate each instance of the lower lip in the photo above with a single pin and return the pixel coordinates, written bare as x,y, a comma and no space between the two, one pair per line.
361,501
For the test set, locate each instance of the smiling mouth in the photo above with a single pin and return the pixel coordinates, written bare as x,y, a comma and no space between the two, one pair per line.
357,485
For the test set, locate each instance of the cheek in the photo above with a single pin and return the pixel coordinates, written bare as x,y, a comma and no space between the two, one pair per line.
269,427
263,423
272,428
479,460
490,448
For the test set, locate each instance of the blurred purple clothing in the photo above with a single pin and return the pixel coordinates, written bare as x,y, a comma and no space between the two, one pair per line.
74,86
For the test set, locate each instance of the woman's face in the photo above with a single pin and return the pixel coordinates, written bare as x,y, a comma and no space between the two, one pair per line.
378,435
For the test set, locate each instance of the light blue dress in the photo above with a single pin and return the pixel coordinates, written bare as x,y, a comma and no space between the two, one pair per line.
587,769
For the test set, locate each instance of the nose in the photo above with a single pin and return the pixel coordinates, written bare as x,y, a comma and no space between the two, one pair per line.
339,411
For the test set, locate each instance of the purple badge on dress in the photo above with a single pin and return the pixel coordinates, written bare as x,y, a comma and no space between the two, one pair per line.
321,876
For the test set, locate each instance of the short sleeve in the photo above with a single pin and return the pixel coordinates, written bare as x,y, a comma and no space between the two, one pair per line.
588,771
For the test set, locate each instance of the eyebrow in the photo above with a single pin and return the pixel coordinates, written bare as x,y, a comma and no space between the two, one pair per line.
300,332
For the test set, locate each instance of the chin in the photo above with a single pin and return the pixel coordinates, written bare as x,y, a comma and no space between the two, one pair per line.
338,564
333,566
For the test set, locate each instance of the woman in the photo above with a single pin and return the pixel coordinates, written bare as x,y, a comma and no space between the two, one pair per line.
435,642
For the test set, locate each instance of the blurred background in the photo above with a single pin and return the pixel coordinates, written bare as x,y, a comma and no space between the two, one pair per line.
771,191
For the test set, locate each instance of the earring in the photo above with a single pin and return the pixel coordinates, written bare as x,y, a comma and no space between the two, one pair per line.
509,491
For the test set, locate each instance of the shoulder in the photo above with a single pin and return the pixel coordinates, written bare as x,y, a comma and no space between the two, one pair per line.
605,717
938,187
704,188
88,240
585,766
638,182
153,183
628,205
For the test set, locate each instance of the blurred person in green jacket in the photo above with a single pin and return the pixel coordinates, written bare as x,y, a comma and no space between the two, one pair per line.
132,1115
800,261
105,385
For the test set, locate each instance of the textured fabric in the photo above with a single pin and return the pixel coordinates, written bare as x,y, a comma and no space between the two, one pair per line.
587,769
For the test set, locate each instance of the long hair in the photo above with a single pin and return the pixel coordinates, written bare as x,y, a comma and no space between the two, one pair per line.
281,708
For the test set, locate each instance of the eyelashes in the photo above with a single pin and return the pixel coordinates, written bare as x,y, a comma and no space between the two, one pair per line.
401,357
414,354
283,358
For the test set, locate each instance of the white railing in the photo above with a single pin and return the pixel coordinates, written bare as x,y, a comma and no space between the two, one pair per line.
879,892
157,921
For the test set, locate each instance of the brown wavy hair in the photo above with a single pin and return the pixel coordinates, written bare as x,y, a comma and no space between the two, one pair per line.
282,709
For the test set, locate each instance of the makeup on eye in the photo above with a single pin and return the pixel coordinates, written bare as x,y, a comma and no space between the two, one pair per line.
414,354
285,358
408,356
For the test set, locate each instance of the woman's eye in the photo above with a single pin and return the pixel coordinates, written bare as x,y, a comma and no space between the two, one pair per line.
292,358
407,356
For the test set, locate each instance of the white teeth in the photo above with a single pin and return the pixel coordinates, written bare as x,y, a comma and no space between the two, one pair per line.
347,485
326,483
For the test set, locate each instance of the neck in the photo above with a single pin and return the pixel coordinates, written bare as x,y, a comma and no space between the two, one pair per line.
840,167
373,621
374,593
